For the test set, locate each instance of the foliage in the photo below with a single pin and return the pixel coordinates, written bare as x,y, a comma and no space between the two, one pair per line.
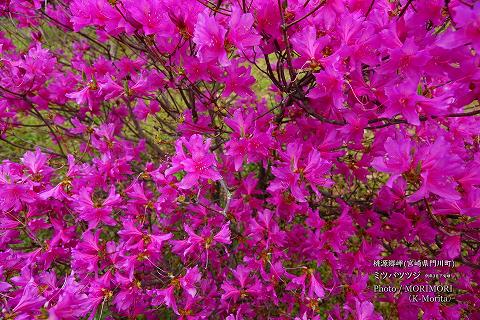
236,159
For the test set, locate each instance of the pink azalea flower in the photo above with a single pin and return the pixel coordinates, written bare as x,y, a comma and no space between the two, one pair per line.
241,32
13,195
72,303
397,159
192,276
309,47
315,289
196,242
149,14
199,164
291,172
364,310
467,23
87,96
246,285
209,36
451,247
438,169
206,159
98,211
87,253
239,81
30,302
138,240
408,60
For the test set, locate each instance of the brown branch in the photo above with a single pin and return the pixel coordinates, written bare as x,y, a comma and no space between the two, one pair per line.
370,7
139,130
291,71
321,4
30,149
311,112
404,9
39,114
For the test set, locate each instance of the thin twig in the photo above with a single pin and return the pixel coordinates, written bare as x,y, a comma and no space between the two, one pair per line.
321,4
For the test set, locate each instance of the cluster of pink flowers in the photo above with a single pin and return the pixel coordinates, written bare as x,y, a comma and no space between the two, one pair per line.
237,159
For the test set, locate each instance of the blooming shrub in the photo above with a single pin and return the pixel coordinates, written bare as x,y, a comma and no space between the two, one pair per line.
237,159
